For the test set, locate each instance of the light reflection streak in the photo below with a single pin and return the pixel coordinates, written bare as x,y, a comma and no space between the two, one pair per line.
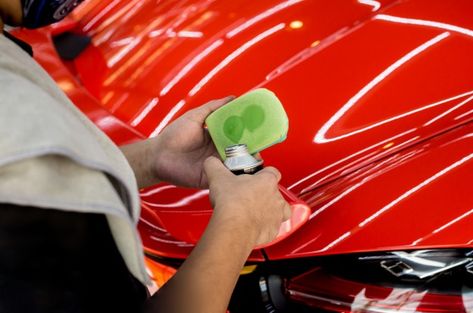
344,168
167,118
375,4
108,96
349,190
117,57
156,190
153,225
99,15
415,189
106,122
337,198
145,111
171,33
403,300
309,242
448,111
173,242
189,66
182,202
337,241
414,21
453,221
234,55
121,15
261,16
122,42
145,66
463,115
349,157
189,34
320,136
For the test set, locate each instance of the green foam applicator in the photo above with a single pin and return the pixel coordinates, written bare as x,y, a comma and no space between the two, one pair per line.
256,119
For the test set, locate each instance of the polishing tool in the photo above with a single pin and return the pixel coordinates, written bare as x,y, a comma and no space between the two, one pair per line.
256,119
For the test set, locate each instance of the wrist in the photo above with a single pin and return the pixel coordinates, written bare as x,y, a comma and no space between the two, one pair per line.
153,160
240,227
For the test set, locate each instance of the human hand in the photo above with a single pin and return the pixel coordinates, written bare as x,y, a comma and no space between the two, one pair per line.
251,203
182,147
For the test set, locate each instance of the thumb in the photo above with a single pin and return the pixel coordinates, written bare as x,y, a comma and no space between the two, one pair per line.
200,114
214,168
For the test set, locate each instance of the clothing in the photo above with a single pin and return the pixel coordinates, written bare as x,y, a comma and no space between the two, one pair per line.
53,157
62,262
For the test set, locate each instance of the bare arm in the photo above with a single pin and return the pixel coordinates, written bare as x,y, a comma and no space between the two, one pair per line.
248,211
204,283
141,157
178,153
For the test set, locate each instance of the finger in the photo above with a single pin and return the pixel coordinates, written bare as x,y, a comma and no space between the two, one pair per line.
214,168
200,114
270,171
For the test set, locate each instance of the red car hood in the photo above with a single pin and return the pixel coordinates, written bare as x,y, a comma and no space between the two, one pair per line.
361,81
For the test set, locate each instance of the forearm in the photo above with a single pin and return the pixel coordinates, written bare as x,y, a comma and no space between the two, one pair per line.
140,156
205,281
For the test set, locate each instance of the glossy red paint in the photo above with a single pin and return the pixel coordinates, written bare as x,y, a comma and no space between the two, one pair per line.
322,290
366,85
370,210
172,215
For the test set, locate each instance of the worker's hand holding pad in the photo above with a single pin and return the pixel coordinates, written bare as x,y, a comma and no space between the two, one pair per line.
251,204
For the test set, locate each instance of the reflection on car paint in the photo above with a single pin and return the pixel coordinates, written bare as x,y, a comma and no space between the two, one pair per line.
320,137
433,24
399,300
248,44
375,4
259,17
185,201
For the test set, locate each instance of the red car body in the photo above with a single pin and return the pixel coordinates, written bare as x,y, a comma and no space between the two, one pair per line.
379,96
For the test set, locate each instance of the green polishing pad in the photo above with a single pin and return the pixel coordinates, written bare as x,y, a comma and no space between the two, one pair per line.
256,119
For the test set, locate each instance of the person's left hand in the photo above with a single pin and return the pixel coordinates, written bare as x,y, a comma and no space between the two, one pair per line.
183,146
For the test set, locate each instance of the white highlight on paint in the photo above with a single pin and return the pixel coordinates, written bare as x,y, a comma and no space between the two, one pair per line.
399,300
456,220
259,17
414,21
448,111
415,189
375,4
463,115
320,136
145,111
350,156
156,190
172,34
189,66
168,118
336,241
234,55
182,202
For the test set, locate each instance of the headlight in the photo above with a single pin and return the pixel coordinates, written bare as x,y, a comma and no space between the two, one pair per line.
402,281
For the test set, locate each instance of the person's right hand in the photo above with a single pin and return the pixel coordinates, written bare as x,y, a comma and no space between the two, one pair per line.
249,203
